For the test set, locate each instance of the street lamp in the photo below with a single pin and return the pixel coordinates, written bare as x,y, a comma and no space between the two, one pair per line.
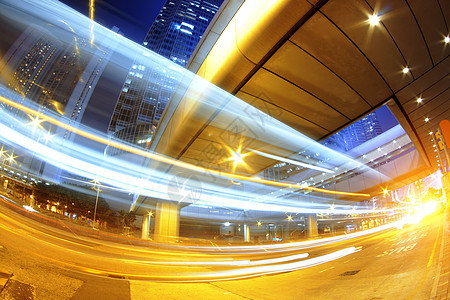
97,188
3,153
289,218
36,122
11,158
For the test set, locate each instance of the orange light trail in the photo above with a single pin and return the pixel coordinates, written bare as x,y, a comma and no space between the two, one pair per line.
167,160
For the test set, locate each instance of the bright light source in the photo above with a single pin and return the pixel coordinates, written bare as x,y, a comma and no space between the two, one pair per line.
36,122
405,70
431,132
289,218
419,100
226,224
237,157
259,223
427,119
447,39
374,19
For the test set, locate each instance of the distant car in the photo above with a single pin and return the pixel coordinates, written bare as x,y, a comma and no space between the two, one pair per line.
351,228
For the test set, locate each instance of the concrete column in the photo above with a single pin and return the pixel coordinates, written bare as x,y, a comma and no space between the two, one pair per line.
311,225
145,226
246,233
167,221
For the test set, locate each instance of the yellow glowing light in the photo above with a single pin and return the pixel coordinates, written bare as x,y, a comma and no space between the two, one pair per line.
405,70
2,152
385,191
429,207
36,122
374,19
11,158
237,157
289,218
91,9
419,100
164,159
447,39
259,223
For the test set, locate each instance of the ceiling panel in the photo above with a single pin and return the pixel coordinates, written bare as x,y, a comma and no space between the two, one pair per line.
352,18
437,102
431,20
256,36
319,71
399,21
320,38
425,81
295,65
294,100
445,6
432,98
294,121
427,95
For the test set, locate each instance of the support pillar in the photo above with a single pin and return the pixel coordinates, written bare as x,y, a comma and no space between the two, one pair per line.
246,233
311,226
167,221
145,226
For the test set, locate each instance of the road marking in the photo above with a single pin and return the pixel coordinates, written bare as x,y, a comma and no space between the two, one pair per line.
326,269
424,276
10,230
434,248
54,245
397,250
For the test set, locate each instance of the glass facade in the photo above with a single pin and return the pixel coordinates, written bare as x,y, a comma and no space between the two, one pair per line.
357,133
343,141
145,93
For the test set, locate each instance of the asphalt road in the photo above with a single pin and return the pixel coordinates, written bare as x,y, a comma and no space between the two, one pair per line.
51,264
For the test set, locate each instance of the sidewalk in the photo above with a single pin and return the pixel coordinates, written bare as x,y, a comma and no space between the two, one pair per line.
4,277
443,291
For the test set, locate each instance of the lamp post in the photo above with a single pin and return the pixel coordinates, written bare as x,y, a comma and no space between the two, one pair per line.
35,124
3,154
97,188
11,158
289,218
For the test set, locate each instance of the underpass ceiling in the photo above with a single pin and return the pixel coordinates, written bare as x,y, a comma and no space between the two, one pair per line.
319,66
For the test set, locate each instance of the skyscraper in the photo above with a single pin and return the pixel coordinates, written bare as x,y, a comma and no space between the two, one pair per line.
174,34
56,71
361,131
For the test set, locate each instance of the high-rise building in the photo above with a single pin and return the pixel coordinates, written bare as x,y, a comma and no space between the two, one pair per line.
361,131
56,72
174,34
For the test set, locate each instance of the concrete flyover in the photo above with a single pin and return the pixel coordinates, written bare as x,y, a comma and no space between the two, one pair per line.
316,66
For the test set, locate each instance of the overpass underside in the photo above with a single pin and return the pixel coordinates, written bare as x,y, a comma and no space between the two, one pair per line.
295,72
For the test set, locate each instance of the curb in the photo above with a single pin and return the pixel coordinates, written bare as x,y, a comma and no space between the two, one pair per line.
441,285
4,278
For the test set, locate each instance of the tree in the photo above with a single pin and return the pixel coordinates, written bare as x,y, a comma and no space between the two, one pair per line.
74,199
128,218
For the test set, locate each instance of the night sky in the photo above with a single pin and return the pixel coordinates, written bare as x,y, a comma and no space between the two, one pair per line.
133,17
